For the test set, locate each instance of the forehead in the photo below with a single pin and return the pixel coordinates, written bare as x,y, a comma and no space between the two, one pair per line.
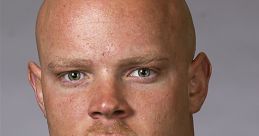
90,16
96,27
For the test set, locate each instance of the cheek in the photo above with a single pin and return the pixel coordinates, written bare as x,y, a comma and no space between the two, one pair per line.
65,110
160,109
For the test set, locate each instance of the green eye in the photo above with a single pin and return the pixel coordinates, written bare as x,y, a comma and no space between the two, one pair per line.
74,76
142,72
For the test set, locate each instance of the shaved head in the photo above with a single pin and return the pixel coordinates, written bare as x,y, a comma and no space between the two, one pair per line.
118,68
167,19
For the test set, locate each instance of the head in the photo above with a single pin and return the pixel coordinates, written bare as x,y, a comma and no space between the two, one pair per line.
117,67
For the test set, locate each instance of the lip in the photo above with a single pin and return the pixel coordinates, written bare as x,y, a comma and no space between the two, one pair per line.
106,134
109,135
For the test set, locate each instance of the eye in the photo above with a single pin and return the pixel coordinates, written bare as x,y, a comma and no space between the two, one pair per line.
73,76
142,72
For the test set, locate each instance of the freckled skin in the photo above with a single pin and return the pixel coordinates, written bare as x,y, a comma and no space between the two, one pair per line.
108,100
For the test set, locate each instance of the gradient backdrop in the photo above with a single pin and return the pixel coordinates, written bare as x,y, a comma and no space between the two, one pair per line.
228,30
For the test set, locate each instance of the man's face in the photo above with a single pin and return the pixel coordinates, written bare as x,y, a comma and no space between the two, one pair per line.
112,71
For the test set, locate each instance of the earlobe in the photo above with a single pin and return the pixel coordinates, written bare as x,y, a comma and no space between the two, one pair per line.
34,76
199,75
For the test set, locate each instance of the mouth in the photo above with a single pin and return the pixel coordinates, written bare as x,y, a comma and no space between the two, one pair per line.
111,134
108,134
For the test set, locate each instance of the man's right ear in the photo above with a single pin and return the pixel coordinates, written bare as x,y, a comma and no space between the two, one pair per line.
34,76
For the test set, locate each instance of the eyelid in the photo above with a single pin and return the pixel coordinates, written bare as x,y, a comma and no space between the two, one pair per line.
154,69
61,74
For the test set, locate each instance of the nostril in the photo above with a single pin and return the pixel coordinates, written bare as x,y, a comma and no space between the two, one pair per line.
96,114
118,113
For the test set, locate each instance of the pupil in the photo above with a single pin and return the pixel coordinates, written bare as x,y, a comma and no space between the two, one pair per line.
144,72
74,76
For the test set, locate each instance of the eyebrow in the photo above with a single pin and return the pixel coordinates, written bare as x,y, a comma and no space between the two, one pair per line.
141,60
69,63
86,63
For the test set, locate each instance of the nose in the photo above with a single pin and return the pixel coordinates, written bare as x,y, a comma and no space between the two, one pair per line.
109,104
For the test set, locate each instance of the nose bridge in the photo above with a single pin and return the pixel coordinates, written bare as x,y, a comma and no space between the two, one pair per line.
108,101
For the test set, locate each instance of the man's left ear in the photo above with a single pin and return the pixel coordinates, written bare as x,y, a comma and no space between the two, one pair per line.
199,75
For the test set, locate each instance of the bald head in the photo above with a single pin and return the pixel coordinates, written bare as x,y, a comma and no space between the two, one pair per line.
166,20
118,67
